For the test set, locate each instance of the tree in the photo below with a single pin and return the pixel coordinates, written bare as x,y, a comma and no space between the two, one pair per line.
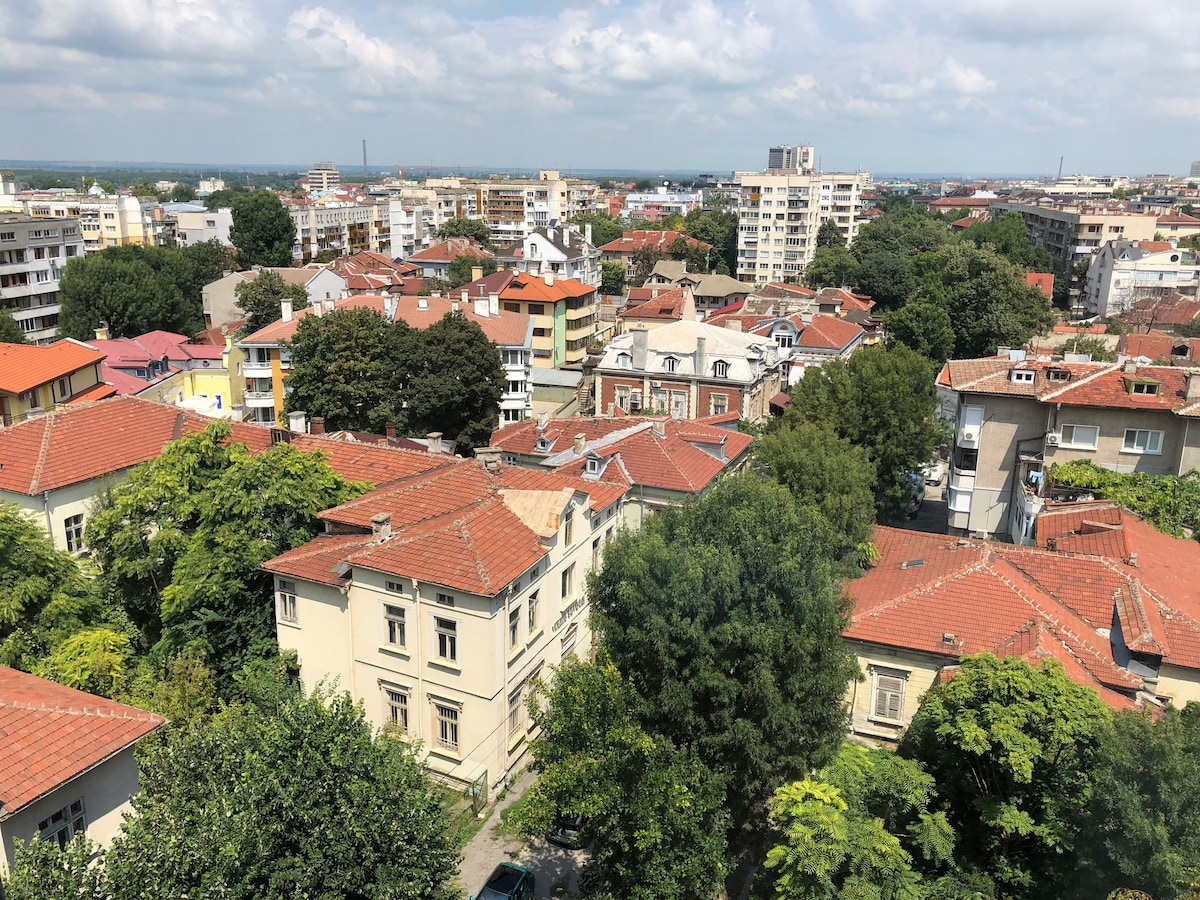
344,369
1008,237
1140,830
459,271
605,228
1012,749
657,815
883,400
95,660
1098,349
326,256
644,260
831,267
41,870
696,256
303,800
886,249
829,235
263,231
726,618
10,331
475,229
922,326
719,229
224,198
826,473
182,193
886,276
612,278
259,300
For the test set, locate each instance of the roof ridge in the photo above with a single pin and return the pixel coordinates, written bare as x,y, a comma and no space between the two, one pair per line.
95,712
923,588
43,450
1103,370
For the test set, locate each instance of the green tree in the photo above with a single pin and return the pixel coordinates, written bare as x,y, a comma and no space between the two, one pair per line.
832,267
718,228
459,272
303,800
259,300
1012,749
726,618
605,228
263,231
182,193
475,229
1008,237
10,331
326,256
142,189
826,473
886,276
694,255
829,235
922,326
41,870
657,815
612,278
224,198
644,260
643,184
95,660
1095,347
883,400
886,249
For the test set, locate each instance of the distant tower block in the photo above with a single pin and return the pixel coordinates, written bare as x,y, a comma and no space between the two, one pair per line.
787,158
323,176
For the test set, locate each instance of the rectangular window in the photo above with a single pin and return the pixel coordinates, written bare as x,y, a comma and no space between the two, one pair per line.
568,526
537,309
447,726
569,638
514,626
533,612
720,404
888,696
393,619
1080,437
287,601
568,581
516,709
74,529
1144,387
596,553
447,638
397,707
445,599
1142,441
63,826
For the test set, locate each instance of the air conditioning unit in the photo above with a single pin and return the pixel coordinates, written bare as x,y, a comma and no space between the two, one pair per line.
656,384
1052,439
970,434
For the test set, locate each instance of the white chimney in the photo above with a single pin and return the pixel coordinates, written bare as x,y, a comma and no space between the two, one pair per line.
548,278
296,421
494,304
435,441
481,306
285,308
580,442
381,527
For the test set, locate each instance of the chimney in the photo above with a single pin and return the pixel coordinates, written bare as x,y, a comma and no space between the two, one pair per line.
330,305
317,424
1002,352
543,420
102,332
587,232
481,307
436,294
285,308
453,306
464,295
296,421
653,293
701,356
390,304
640,348
550,233
580,442
1193,386
381,527
659,427
494,304
1130,366
548,278
389,431
435,441
490,457
733,324
476,272
318,309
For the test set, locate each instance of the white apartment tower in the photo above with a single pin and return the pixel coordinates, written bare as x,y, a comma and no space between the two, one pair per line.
788,157
323,176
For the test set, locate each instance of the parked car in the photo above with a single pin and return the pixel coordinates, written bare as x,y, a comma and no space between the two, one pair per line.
568,832
507,882
935,472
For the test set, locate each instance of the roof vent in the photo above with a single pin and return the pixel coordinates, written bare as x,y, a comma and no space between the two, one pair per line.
381,527
948,638
912,563
1133,559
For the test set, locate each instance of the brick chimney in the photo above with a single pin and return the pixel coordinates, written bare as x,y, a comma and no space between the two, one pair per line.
317,425
389,431
490,457
476,272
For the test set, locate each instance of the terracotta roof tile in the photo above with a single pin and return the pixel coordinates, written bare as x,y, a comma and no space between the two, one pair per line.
451,249
632,241
25,366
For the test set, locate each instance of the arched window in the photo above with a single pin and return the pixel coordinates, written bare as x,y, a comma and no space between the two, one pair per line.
721,369
670,365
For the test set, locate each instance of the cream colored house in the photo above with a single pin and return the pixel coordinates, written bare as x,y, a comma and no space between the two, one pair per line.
37,379
437,598
68,766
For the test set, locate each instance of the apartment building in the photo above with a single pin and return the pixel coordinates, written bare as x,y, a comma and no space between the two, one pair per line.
439,597
563,312
689,370
340,226
194,224
1125,272
35,380
323,176
1073,232
778,219
1016,416
104,221
799,159
412,227
33,252
656,205
516,207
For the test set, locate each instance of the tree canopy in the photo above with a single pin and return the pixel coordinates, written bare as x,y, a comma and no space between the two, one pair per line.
10,331
459,272
832,267
1008,237
605,228
829,235
718,228
476,229
612,277
923,326
259,300
1093,346
263,231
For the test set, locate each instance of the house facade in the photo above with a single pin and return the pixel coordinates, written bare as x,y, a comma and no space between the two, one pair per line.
623,248
1125,272
564,252
37,379
220,297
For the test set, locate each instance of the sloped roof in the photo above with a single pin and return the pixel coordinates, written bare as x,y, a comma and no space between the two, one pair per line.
1043,281
50,734
25,366
665,304
829,333
524,286
1159,345
450,249
1166,312
632,241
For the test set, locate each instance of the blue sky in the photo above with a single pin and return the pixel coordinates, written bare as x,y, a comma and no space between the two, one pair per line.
909,85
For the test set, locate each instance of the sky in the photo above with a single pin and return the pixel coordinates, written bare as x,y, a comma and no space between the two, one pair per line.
982,86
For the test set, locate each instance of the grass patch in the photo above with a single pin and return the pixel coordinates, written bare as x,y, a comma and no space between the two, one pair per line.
505,813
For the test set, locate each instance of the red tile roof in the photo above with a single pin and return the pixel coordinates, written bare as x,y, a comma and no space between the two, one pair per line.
25,366
50,734
523,286
632,241
451,249
663,304
1159,345
1178,219
829,333
1042,281
1168,312
95,392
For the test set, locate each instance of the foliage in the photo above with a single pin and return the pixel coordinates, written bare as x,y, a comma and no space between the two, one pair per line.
886,249
41,870
182,193
475,229
263,231
725,617
224,198
1011,748
300,801
612,278
1089,344
886,276
459,271
829,235
826,473
1141,828
259,300
182,689
922,326
180,541
142,189
882,400
656,814
10,331
605,228
644,260
95,660
696,257
1008,237
719,229
1168,502
832,267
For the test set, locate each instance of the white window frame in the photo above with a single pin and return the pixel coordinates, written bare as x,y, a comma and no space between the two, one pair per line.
1022,376
671,365
1152,446
514,627
624,361
66,824
395,626
532,613
1074,443
73,528
447,720
287,602
445,639
888,689
567,582
712,404
568,526
570,638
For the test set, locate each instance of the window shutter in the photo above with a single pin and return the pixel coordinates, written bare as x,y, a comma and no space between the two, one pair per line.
888,694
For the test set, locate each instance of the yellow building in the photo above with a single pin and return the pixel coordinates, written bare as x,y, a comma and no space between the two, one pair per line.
104,220
35,380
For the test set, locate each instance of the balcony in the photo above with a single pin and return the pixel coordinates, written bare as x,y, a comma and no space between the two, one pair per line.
260,399
256,368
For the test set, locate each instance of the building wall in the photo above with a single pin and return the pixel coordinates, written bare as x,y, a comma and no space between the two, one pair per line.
105,791
919,672
1179,684
33,253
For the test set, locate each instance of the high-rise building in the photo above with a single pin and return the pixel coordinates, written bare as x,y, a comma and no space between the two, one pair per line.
787,157
1195,172
323,176
33,252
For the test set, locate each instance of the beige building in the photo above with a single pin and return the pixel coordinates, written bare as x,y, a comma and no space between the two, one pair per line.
516,207
323,176
104,221
340,226
438,598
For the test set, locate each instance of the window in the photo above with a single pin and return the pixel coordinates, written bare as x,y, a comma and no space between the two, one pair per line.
569,638
397,707
445,599
287,601
635,400
1022,376
1058,374
784,339
679,404
394,586
568,581
1144,387
447,726
569,526
74,528
516,710
514,626
1080,437
888,697
537,309
593,465
447,638
1142,441
721,369
393,620
624,361
63,826
670,365
720,404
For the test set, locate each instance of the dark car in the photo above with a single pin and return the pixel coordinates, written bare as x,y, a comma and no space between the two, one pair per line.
568,832
508,882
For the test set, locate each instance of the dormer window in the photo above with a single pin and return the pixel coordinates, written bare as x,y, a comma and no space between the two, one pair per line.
593,465
1148,388
541,445
624,361
1022,376
784,339
721,369
1058,374
671,365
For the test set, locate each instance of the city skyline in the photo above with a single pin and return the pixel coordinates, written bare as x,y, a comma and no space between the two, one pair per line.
1001,86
